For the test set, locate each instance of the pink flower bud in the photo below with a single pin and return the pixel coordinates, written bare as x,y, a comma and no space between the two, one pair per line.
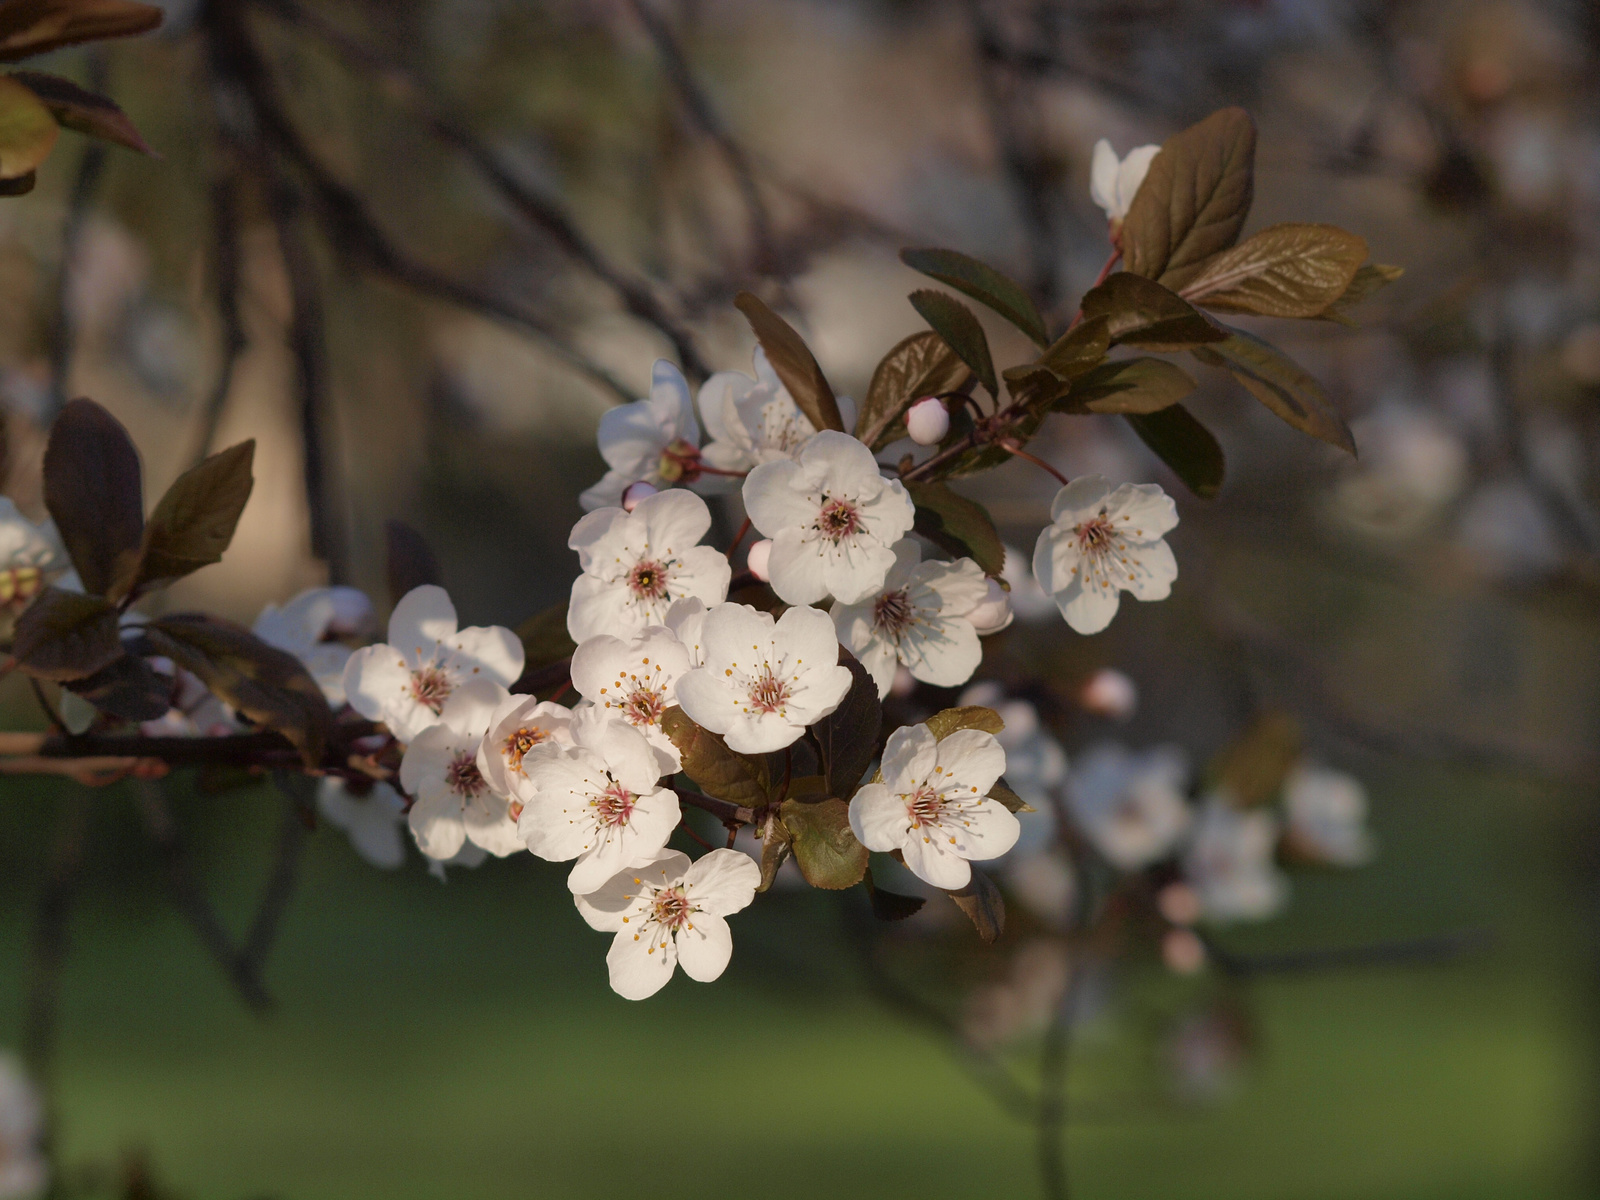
636,492
1110,693
993,612
756,560
1182,951
1179,903
927,421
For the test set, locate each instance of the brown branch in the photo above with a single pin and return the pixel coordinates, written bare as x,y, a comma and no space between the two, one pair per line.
225,240
1438,948
724,810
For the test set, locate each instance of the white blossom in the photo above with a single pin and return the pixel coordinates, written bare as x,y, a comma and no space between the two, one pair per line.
1130,806
635,565
654,440
372,819
309,627
596,801
635,680
517,725
927,421
24,1169
31,558
670,912
933,804
992,613
1327,813
452,802
831,517
1229,863
1110,693
1028,600
1036,765
1102,542
764,681
752,421
1113,183
918,618
406,682
687,620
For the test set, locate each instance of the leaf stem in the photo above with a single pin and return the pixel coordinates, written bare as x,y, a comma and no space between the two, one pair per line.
738,537
1011,447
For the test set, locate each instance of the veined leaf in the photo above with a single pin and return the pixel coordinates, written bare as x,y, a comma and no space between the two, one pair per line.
1281,384
84,111
1002,793
1194,199
1185,445
973,716
1140,312
28,130
823,845
1131,385
194,522
983,904
849,735
953,321
93,490
957,524
1289,270
1080,349
920,365
720,772
1371,278
66,635
793,361
984,284
29,27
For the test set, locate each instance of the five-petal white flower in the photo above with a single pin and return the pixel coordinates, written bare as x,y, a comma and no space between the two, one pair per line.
309,627
670,912
764,681
933,804
635,680
1229,863
1327,813
752,421
452,800
596,801
1101,543
635,565
1113,183
518,724
406,682
650,440
832,519
1130,806
918,618
372,819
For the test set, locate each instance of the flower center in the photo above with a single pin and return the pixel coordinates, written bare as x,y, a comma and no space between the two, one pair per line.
648,580
519,743
924,806
20,584
614,805
839,519
644,707
768,693
671,908
1095,535
462,775
430,687
680,462
892,613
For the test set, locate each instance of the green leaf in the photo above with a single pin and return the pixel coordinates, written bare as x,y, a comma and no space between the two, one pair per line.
83,111
1140,312
719,771
1281,384
66,635
920,365
983,904
1130,385
953,321
93,490
956,524
267,685
1373,277
793,361
28,130
983,283
545,639
824,848
194,522
776,846
29,27
973,716
849,735
1003,793
409,561
1185,445
1289,270
129,688
891,906
1194,199
1080,349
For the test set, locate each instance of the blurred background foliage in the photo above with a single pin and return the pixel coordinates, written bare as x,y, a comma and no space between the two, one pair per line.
1428,612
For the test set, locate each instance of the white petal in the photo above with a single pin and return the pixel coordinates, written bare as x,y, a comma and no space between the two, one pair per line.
423,616
472,705
1131,174
1079,499
1089,608
857,569
776,497
605,907
987,830
909,756
933,863
1152,570
632,436
878,818
640,965
669,396
797,567
489,650
705,947
376,680
943,651
436,824
1103,178
723,882
597,535
973,757
1142,512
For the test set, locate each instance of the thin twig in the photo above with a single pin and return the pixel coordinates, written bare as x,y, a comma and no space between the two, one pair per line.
724,810
1436,948
225,240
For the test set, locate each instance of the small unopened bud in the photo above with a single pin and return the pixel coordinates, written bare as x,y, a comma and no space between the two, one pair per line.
993,612
636,492
1179,903
1110,693
904,683
927,421
759,556
1182,951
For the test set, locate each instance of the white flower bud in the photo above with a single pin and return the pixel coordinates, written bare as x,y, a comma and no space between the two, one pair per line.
759,556
1110,693
636,492
993,613
927,421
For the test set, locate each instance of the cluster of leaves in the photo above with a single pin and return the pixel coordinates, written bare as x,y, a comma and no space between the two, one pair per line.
84,641
34,106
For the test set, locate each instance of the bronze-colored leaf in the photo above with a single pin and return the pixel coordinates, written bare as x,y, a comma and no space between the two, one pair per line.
66,635
957,524
849,735
29,27
1002,792
983,904
93,490
1194,199
28,130
793,362
954,322
1289,270
1140,312
76,108
409,562
983,283
1371,278
824,847
129,688
1130,385
1281,384
1253,767
1185,445
973,716
1080,349
775,848
920,365
193,524
720,772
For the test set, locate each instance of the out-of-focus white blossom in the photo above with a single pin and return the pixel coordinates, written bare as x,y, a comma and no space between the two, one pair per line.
1114,182
764,681
753,421
308,627
1101,543
372,819
406,682
1130,806
1110,693
24,1169
933,804
669,913
1036,765
1327,815
1412,467
1043,883
31,558
1179,903
635,565
635,680
832,520
452,801
992,613
1229,863
758,559
1028,600
927,421
1507,534
918,619
650,440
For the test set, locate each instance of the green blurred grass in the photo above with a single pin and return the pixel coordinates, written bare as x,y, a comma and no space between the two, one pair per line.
459,1041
